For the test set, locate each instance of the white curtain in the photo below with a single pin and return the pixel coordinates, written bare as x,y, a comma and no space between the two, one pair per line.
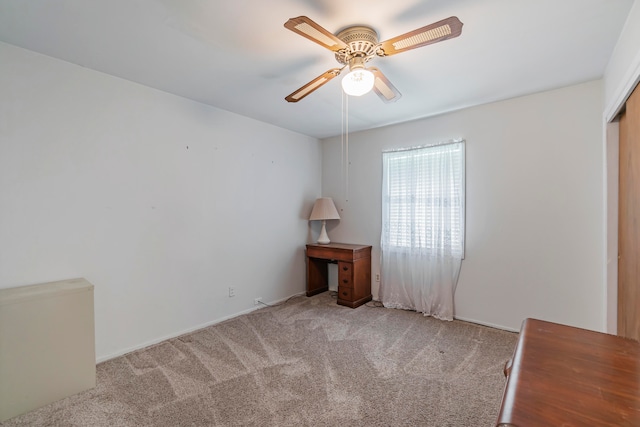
422,228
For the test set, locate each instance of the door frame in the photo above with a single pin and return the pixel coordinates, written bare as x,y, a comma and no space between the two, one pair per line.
611,147
612,158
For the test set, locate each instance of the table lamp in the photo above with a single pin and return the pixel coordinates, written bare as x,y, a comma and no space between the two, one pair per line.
324,209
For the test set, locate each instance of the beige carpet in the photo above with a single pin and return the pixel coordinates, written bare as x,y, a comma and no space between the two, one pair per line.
308,362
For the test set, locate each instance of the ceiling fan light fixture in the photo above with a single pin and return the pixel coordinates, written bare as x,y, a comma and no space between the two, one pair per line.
358,82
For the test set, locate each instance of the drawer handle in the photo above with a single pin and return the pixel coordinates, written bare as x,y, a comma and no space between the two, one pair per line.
345,280
345,268
344,293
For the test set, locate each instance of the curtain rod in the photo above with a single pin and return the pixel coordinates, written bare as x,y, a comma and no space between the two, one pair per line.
451,141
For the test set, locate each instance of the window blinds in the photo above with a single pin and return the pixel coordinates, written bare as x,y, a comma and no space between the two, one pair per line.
423,198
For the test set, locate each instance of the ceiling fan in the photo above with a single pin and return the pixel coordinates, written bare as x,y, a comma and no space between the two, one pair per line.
357,45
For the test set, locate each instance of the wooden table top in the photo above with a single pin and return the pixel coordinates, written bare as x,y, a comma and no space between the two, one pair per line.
566,376
333,245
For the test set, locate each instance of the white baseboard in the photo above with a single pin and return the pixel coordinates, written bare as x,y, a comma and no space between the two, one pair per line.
187,331
491,325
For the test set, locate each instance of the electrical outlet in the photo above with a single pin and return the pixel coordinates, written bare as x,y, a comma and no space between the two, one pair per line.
232,291
257,301
377,277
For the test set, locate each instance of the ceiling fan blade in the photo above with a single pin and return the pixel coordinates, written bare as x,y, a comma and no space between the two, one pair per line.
314,32
314,84
383,87
436,32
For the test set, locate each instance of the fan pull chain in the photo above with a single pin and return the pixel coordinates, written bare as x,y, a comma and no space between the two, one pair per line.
344,144
342,115
346,184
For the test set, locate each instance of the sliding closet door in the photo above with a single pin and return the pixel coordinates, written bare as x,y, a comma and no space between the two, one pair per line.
629,220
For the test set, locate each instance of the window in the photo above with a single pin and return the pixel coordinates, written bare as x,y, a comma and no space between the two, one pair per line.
423,199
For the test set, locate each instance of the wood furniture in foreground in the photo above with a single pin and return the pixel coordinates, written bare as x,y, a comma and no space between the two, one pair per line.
354,271
565,376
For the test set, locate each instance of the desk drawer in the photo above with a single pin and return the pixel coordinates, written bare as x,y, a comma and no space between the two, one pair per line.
345,293
345,274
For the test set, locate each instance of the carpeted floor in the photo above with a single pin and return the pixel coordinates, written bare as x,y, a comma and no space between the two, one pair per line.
308,362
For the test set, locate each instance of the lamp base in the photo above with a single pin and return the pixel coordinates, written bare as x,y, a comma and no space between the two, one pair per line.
323,239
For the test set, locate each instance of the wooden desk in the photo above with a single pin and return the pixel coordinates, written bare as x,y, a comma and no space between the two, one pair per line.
354,271
565,376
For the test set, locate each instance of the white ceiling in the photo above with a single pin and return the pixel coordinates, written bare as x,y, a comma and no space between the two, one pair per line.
237,55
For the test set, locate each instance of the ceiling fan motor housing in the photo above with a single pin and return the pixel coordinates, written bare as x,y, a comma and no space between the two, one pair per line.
362,43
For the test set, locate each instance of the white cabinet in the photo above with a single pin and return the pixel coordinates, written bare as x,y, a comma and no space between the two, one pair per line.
47,344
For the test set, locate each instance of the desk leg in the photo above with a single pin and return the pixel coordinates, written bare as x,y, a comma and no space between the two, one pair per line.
317,276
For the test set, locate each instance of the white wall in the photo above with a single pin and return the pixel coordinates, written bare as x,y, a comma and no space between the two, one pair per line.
534,175
160,202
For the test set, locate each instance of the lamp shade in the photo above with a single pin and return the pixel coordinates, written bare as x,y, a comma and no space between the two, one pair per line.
358,82
324,208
